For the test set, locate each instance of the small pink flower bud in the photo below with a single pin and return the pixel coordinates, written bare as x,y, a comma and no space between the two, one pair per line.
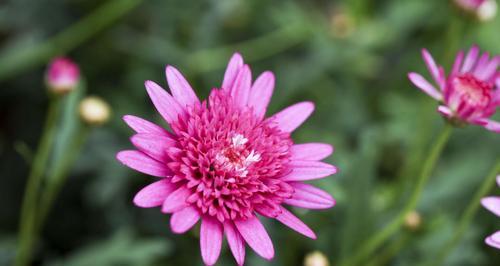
483,10
62,76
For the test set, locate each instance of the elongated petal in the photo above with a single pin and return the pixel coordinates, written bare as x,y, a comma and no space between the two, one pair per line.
140,125
180,88
232,70
290,220
424,85
143,163
433,68
445,110
292,117
176,201
490,125
153,145
235,241
153,195
489,69
166,105
494,240
256,236
210,240
311,151
261,92
457,63
308,170
492,204
470,59
183,220
241,86
310,197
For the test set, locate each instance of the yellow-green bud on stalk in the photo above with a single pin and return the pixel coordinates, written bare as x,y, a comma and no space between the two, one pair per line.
94,111
413,221
62,76
316,258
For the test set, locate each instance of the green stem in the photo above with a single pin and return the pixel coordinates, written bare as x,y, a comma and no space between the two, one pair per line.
27,223
381,236
21,59
57,178
469,213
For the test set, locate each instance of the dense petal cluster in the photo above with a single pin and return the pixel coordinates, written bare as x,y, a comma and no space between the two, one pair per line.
470,93
493,204
223,162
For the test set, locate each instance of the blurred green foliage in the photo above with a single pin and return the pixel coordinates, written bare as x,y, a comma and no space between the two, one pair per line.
349,57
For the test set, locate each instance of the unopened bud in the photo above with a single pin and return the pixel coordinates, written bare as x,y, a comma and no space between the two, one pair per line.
413,221
316,258
482,10
94,110
62,76
341,23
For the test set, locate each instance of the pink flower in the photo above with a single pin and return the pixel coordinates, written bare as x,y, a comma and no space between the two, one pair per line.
62,75
223,162
493,205
469,94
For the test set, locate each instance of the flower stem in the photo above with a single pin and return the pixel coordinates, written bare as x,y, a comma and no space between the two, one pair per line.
381,236
469,213
27,224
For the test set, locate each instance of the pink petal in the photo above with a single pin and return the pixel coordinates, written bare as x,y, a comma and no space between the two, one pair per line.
232,70
143,126
445,111
293,116
166,105
490,125
210,240
424,85
236,243
311,151
498,180
494,240
143,163
176,201
256,236
458,62
492,204
154,194
470,59
183,220
309,197
261,92
481,63
180,88
241,87
432,67
308,170
489,69
290,220
153,145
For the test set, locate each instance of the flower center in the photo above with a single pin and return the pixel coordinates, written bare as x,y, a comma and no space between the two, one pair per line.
236,158
471,91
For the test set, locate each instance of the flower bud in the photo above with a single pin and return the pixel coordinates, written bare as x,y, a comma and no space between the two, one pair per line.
62,76
94,111
483,10
316,258
413,221
341,24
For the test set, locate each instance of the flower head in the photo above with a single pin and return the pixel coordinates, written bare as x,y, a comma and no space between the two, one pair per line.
470,93
493,205
224,163
62,75
483,10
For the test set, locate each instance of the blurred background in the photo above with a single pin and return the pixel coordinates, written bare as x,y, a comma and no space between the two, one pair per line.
350,57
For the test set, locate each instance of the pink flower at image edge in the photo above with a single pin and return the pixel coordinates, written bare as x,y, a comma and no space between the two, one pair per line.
492,203
470,93
223,162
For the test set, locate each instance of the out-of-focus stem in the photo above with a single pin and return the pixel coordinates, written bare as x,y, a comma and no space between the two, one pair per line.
22,59
27,223
469,213
381,236
57,178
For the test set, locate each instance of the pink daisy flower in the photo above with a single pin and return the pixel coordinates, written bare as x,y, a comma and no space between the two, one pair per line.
493,205
224,163
469,94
